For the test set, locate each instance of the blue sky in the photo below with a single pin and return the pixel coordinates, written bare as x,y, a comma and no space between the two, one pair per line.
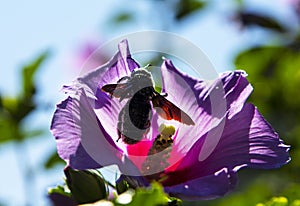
30,27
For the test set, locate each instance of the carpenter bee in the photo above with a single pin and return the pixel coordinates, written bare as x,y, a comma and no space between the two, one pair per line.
135,117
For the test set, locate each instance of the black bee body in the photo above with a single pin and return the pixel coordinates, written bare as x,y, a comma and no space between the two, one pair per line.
135,117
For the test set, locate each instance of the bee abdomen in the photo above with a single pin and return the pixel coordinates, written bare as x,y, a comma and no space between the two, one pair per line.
140,112
134,119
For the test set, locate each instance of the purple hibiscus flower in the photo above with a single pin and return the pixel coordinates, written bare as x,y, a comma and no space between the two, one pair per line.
202,160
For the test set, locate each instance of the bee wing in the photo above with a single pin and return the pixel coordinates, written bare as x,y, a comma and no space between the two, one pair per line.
116,90
168,110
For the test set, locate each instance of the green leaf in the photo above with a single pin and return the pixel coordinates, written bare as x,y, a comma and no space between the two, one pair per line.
274,73
122,185
87,186
25,106
61,196
7,130
187,7
127,182
34,133
258,190
275,201
253,19
152,196
123,17
28,74
259,60
17,108
239,3
14,109
59,189
1,105
260,63
296,203
292,192
10,106
25,100
53,160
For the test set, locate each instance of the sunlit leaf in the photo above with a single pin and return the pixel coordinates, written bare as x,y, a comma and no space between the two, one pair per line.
292,192
61,190
258,189
152,196
295,203
275,201
187,7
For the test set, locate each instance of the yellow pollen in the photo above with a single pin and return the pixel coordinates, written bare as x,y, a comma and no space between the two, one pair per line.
166,130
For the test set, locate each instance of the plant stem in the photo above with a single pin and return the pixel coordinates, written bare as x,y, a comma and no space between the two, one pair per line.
26,172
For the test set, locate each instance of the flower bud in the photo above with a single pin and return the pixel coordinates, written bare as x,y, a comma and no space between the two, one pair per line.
86,186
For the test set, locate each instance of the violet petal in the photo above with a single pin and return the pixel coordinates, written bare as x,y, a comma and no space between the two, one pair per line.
247,141
90,113
106,108
206,102
204,188
76,129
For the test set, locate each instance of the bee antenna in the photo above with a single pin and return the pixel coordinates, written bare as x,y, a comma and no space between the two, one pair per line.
148,67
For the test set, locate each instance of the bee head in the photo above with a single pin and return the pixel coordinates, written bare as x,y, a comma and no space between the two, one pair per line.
142,78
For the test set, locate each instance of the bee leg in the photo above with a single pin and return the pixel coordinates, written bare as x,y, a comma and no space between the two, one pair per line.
123,79
119,135
164,94
147,125
146,128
